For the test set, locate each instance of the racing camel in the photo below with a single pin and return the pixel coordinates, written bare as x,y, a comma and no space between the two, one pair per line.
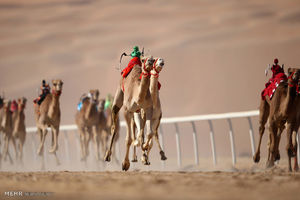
6,128
276,111
19,128
155,110
48,115
132,94
90,123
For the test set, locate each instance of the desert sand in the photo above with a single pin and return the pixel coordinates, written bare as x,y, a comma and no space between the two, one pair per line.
273,184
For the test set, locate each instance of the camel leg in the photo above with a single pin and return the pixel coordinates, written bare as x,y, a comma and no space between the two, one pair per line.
150,133
280,130
82,143
96,139
12,139
118,103
42,133
55,132
6,149
87,140
128,117
133,127
289,146
264,111
295,148
273,132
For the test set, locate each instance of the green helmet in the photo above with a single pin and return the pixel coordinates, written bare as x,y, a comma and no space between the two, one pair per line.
136,52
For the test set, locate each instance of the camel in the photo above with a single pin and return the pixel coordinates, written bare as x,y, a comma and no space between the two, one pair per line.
19,128
6,128
136,96
293,123
90,123
277,112
48,115
155,110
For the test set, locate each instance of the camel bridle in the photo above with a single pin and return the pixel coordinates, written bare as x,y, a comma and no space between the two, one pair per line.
295,83
154,68
145,74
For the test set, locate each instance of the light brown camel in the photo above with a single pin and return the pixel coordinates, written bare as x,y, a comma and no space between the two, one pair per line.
6,129
155,110
276,111
90,124
48,115
19,128
106,135
136,96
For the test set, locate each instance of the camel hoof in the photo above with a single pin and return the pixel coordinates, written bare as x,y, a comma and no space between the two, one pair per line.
277,156
40,152
52,150
125,165
145,159
107,156
291,153
256,157
269,164
296,168
136,143
134,159
162,155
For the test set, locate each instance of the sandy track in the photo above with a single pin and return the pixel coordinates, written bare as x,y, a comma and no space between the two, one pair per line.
273,184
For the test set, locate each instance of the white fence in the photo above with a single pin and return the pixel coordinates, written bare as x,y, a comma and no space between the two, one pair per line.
192,119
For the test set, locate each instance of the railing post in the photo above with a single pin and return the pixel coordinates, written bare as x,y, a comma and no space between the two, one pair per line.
178,145
232,142
195,139
251,136
212,141
162,143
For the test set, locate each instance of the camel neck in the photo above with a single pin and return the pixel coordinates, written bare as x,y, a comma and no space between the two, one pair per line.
91,109
154,88
144,86
290,97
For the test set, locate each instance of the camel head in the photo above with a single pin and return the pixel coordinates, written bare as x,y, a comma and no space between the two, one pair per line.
94,95
158,65
57,86
147,63
22,103
6,105
294,76
101,105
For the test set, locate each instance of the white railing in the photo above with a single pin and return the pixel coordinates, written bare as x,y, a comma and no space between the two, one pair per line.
192,119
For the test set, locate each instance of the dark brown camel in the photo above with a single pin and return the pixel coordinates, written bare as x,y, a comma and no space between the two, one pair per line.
276,111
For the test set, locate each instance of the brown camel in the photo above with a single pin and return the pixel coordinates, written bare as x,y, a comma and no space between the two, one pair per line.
136,96
6,129
90,124
276,111
293,123
155,110
19,128
48,115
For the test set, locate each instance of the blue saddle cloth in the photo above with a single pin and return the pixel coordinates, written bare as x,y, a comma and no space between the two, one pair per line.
79,106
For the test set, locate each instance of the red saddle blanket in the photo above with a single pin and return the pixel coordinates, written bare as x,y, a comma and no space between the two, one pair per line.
272,85
132,62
